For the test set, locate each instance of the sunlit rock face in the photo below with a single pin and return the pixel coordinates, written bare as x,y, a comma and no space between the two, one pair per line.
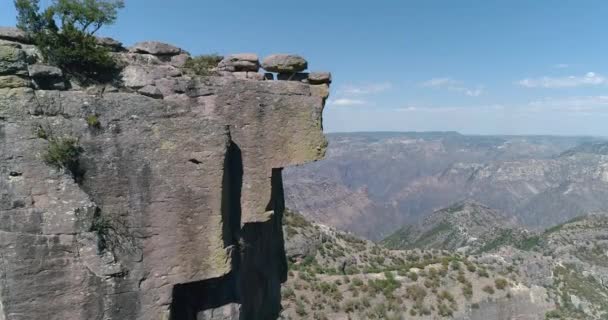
173,207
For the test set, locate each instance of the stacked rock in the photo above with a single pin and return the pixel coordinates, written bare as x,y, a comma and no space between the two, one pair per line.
13,66
154,69
241,65
290,67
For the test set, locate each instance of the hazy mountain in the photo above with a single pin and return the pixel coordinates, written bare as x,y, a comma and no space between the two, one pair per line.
374,183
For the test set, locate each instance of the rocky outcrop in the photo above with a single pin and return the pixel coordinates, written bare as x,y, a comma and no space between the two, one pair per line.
173,207
284,63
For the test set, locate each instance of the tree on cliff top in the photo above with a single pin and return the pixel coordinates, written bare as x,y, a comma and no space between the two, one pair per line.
64,32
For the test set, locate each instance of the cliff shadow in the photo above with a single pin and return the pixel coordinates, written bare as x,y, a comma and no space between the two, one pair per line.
196,300
232,185
199,300
264,264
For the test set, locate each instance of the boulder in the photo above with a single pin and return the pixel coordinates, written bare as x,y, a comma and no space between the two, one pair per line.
169,86
151,91
240,62
14,34
138,76
284,63
13,82
47,77
38,71
179,60
12,61
319,77
110,43
156,48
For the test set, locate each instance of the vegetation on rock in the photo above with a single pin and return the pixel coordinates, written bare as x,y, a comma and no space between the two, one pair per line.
64,33
63,153
202,65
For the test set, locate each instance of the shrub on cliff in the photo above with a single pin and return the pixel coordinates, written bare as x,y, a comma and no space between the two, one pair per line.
64,153
64,33
203,64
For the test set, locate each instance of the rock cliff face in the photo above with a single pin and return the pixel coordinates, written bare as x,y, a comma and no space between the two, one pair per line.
172,209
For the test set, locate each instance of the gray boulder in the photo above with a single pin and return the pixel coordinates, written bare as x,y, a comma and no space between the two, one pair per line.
240,62
319,77
151,91
284,63
38,71
47,77
156,48
14,34
110,43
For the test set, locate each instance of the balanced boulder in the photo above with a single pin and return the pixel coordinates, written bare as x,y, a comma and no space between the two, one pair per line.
284,63
240,62
156,48
319,77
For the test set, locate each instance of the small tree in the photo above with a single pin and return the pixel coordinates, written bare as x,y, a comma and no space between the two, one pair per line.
71,44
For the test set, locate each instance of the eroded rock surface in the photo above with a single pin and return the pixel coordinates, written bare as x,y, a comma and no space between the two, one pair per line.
174,207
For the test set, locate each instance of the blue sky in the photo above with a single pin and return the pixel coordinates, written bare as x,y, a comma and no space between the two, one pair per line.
482,67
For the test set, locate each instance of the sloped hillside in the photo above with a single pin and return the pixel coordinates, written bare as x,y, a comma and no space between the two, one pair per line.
466,226
334,275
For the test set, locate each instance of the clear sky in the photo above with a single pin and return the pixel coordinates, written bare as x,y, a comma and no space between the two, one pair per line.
483,67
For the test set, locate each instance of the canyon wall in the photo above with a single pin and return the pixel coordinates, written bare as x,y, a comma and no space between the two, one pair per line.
173,207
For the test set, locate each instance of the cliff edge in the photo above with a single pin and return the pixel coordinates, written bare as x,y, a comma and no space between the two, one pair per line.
170,203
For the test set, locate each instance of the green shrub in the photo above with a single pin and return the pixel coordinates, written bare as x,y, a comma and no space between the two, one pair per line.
415,293
203,64
501,283
64,33
93,121
482,273
467,290
488,289
413,276
554,314
444,310
301,309
64,153
102,226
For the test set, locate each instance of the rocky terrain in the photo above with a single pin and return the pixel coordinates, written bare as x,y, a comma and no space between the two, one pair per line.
559,274
372,183
158,195
467,226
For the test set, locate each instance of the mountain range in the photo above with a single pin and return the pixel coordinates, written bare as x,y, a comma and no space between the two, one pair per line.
372,184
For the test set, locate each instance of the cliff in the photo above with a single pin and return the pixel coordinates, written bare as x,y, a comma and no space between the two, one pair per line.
171,203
